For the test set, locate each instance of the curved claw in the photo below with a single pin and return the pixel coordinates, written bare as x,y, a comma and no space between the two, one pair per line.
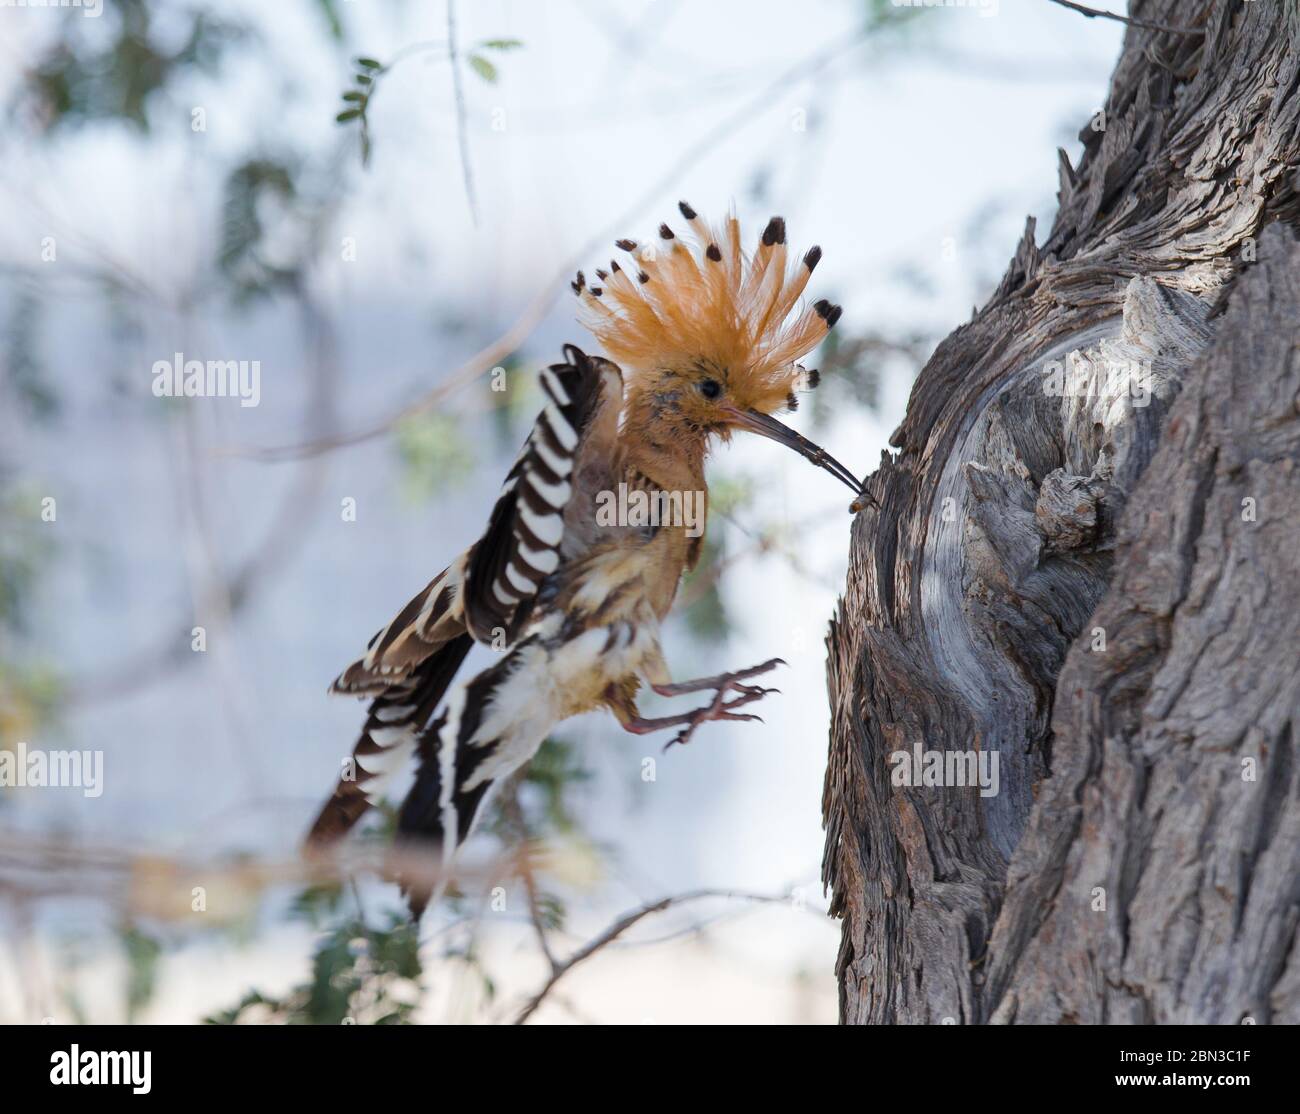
755,690
740,701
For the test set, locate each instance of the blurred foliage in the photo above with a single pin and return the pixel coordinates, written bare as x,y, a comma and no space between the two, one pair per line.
549,784
249,188
316,904
514,405
706,616
72,954
371,973
360,975
23,367
890,16
29,690
26,546
329,10
847,374
852,365
142,955
126,331
78,80
435,453
730,496
30,696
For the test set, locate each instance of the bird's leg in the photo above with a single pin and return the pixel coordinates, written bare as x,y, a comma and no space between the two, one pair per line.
719,708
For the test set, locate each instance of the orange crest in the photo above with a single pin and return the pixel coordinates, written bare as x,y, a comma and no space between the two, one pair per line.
711,307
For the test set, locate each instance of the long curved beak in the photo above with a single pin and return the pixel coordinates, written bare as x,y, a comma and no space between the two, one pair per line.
767,426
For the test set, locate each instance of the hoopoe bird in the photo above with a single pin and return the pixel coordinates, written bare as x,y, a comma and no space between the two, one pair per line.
703,340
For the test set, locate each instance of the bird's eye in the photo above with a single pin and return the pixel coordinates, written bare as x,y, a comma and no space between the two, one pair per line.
710,388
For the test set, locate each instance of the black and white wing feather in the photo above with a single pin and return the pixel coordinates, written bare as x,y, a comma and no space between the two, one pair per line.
521,547
423,627
486,594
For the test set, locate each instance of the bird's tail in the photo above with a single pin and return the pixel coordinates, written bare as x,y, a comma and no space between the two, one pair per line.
391,735
487,731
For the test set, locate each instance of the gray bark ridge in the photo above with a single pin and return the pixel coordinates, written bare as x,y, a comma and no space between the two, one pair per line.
1158,880
1026,472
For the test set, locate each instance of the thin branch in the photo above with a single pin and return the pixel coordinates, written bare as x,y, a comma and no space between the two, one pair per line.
513,814
620,926
483,360
535,912
462,134
1098,13
148,883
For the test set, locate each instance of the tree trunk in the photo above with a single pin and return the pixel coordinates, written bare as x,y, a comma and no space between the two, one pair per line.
1087,569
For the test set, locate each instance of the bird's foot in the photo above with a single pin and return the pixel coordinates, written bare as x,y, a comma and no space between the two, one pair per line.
719,708
729,681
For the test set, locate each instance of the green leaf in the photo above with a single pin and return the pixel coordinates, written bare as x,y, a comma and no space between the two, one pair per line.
142,954
369,63
485,69
502,44
349,114
354,95
364,79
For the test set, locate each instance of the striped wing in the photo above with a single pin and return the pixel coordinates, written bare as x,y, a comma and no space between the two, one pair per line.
395,723
422,628
489,729
521,547
491,587
410,664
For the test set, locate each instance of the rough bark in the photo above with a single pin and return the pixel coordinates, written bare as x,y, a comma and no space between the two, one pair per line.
1064,574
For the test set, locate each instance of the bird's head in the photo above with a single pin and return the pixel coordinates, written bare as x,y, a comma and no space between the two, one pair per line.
710,336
